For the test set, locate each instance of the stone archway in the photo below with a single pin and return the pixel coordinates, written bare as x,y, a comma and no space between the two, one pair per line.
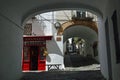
86,22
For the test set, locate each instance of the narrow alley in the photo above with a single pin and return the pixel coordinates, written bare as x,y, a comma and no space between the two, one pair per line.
82,69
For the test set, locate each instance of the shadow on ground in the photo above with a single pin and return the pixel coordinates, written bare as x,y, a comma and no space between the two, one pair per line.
70,60
77,60
63,75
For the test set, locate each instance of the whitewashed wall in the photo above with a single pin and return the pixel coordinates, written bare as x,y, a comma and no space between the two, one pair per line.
55,52
111,7
10,50
102,49
40,28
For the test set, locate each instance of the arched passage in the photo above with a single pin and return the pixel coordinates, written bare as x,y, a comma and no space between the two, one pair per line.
13,12
87,26
71,5
80,31
27,17
85,22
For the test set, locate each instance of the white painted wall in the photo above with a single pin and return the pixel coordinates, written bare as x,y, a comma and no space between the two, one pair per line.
59,43
54,48
37,29
102,49
113,5
102,43
55,52
10,50
40,28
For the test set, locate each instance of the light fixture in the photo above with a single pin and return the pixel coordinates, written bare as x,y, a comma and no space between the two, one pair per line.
57,25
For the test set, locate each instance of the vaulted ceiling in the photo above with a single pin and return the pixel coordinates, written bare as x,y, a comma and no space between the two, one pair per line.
19,10
80,31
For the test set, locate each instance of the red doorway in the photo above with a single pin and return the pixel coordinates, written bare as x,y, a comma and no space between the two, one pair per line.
33,53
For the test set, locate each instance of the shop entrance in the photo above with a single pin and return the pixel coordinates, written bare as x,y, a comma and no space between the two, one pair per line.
33,58
34,53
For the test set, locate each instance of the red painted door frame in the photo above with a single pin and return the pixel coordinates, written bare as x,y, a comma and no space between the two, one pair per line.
35,41
41,59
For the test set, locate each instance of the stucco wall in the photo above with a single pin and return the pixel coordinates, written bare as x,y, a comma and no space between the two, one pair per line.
55,52
111,7
10,50
102,49
109,67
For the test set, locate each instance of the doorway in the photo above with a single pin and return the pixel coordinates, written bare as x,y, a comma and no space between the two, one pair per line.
33,58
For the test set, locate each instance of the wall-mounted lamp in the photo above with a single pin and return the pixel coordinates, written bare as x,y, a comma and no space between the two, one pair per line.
57,25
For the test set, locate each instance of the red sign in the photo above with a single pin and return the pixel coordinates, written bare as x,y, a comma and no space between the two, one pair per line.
37,38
